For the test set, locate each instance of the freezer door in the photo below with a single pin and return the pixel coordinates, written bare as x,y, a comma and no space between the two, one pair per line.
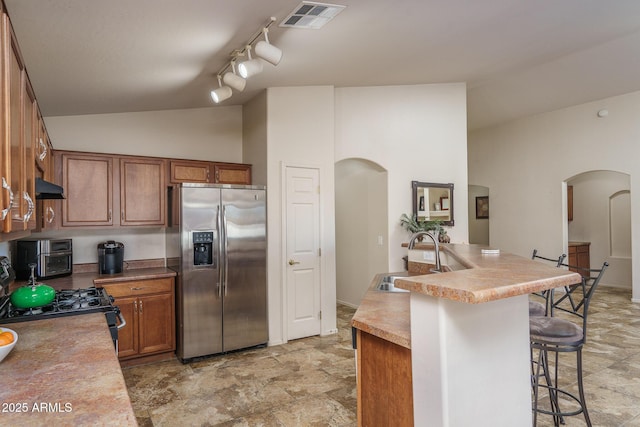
200,299
245,276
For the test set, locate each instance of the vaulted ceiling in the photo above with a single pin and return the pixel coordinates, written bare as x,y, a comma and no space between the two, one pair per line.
517,57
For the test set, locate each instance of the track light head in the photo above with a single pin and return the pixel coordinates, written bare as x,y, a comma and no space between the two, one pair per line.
267,51
251,67
222,93
233,80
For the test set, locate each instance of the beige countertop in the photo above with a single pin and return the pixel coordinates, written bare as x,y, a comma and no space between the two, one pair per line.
487,278
385,315
86,280
64,372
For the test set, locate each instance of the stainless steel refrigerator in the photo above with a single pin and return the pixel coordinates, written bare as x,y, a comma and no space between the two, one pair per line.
217,242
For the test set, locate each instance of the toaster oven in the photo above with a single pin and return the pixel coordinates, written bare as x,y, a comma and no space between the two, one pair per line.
52,258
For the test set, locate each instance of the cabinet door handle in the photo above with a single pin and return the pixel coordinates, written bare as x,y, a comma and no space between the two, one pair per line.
135,306
26,197
6,186
109,216
51,214
43,154
137,289
140,306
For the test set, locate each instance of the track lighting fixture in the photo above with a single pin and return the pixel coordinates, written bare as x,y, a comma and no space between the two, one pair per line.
222,93
264,51
233,80
267,51
251,67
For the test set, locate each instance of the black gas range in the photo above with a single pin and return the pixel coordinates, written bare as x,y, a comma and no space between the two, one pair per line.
67,302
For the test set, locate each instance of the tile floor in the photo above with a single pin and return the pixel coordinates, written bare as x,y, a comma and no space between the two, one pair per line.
311,382
307,382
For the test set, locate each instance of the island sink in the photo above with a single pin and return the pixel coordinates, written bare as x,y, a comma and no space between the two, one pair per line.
387,282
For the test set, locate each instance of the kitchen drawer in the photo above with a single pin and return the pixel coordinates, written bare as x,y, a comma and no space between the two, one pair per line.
139,287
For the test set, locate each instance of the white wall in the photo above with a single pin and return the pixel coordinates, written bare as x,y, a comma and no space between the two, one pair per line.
361,219
213,133
300,131
254,141
416,133
524,163
591,216
478,228
202,133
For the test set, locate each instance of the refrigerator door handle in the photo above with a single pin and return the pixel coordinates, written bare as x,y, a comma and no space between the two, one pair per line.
220,278
226,247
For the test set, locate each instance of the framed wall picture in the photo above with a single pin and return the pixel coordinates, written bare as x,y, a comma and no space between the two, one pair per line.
482,207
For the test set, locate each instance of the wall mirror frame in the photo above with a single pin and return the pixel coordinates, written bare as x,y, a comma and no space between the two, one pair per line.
433,202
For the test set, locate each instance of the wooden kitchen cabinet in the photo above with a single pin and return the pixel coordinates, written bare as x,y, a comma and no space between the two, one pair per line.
47,210
231,173
188,171
384,382
90,182
198,171
148,308
88,185
16,144
579,256
142,191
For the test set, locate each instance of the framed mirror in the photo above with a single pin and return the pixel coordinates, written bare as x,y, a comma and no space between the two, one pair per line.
433,202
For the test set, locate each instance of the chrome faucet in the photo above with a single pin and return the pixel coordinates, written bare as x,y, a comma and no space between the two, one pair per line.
412,243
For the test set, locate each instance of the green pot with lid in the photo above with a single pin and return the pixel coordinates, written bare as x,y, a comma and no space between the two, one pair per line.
31,296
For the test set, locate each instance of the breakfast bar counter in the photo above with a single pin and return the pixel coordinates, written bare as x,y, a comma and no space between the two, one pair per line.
468,332
64,372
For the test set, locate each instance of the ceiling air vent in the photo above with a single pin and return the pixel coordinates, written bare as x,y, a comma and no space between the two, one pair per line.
312,15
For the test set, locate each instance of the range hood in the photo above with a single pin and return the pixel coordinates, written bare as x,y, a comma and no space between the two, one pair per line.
47,190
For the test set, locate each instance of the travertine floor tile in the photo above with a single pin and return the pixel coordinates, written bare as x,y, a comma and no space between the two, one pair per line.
311,381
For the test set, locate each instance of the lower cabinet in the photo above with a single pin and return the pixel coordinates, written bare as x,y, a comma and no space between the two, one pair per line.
385,386
148,308
579,256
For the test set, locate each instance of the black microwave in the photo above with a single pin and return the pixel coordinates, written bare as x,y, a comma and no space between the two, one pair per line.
52,258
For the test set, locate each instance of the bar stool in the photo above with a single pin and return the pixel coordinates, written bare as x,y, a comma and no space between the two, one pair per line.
537,308
551,334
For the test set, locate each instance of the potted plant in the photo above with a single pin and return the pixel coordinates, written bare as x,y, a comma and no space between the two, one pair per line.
412,224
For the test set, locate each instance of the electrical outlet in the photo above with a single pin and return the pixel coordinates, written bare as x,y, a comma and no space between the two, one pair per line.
380,240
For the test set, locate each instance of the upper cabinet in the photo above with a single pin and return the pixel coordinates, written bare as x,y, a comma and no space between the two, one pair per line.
142,191
232,173
88,186
47,210
91,181
188,171
209,172
17,141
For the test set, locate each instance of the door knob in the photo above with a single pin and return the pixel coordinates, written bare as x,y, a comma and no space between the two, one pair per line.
292,262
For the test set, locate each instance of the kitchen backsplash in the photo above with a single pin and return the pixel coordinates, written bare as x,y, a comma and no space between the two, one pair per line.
139,244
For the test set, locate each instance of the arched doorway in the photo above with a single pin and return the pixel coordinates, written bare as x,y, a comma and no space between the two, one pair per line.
362,248
600,216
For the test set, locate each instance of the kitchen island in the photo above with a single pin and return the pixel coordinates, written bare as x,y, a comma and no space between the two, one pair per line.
64,372
469,336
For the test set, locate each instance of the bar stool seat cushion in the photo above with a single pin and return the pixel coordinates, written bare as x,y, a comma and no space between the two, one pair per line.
555,331
536,308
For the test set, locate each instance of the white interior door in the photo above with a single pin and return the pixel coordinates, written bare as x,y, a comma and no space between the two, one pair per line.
303,251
